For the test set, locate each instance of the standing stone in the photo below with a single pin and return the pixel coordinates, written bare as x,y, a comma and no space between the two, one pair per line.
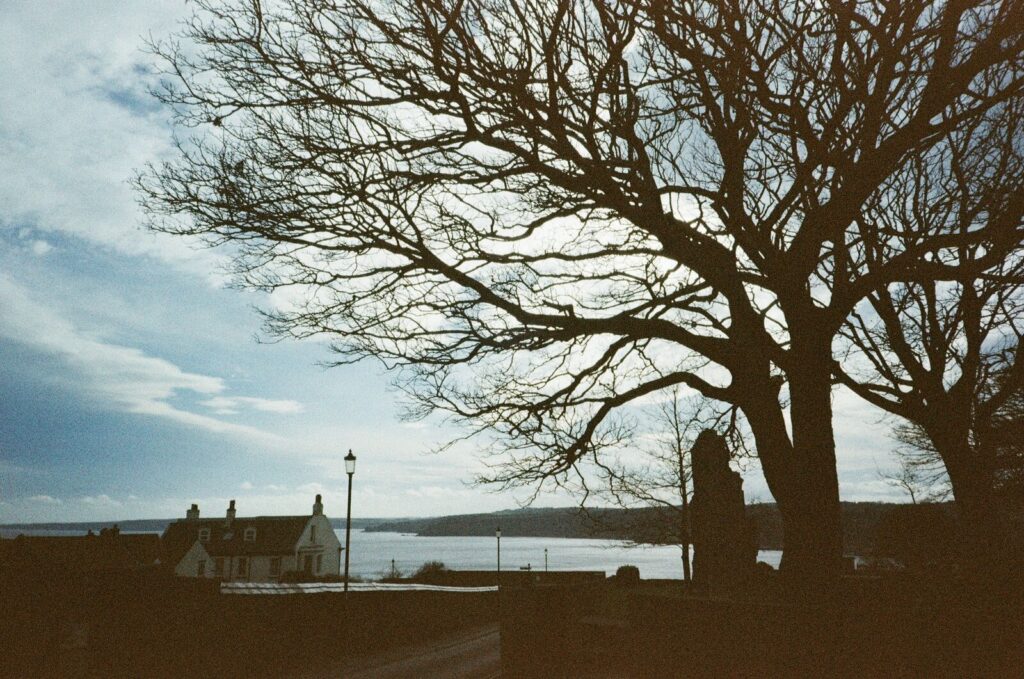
724,540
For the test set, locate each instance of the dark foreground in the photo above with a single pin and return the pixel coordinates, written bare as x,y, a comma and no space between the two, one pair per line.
467,654
147,625
866,627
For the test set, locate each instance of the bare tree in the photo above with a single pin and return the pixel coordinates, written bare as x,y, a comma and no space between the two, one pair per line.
541,211
920,474
921,464
657,475
943,354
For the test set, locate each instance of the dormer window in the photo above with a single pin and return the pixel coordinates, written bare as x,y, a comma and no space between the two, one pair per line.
204,535
250,535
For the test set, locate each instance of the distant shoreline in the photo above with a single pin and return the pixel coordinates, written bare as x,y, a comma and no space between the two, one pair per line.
860,520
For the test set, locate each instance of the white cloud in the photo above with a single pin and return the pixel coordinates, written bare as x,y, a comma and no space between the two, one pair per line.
102,500
435,492
113,376
46,499
76,122
231,405
41,248
245,485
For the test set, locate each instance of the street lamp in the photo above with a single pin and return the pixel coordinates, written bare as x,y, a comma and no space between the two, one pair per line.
350,469
545,559
497,534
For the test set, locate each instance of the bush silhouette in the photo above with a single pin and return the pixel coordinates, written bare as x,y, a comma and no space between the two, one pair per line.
431,571
627,576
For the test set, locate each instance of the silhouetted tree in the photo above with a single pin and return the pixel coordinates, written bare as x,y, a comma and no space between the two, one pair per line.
542,211
943,354
1005,445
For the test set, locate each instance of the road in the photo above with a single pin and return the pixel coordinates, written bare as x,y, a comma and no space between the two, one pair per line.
469,654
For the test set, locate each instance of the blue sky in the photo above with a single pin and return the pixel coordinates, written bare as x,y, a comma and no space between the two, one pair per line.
131,383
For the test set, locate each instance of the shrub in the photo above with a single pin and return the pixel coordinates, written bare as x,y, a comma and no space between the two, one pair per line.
391,574
431,571
627,576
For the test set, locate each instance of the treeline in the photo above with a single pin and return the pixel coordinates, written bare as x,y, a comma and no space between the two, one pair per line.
861,521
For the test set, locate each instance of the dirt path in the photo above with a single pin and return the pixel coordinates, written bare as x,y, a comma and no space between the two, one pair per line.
469,654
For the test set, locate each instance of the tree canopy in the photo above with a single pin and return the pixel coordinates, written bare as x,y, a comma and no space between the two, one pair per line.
543,211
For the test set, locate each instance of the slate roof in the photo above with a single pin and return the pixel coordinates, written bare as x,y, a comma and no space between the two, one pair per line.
79,553
143,549
275,536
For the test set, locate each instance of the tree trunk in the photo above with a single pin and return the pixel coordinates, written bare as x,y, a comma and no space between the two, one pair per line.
813,547
984,529
800,471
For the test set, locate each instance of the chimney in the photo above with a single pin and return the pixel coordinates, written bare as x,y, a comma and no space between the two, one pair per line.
192,514
231,512
318,506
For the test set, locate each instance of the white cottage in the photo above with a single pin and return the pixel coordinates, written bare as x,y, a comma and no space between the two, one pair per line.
253,549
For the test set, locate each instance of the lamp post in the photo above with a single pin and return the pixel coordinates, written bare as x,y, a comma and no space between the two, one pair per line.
350,469
497,534
545,559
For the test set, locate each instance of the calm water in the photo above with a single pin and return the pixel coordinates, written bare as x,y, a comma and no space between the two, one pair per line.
372,554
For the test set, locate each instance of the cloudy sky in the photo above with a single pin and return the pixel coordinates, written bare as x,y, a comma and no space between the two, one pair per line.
131,382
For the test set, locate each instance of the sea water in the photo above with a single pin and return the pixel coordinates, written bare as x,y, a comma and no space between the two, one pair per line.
372,553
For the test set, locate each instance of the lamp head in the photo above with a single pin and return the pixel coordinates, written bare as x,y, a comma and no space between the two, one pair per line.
350,463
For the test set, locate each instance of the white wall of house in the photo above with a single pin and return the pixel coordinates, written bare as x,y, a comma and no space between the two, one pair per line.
257,568
196,563
261,571
318,539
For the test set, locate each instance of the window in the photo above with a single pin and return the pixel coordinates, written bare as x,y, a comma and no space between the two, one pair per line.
218,567
201,569
250,535
312,534
319,563
275,565
242,567
204,534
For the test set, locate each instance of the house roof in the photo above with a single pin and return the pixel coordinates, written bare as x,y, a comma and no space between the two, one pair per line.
143,548
79,553
275,535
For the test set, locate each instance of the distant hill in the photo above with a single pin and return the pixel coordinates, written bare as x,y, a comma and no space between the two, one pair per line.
860,520
138,525
549,522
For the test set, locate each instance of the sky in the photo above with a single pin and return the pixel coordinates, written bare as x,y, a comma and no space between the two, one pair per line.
132,381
